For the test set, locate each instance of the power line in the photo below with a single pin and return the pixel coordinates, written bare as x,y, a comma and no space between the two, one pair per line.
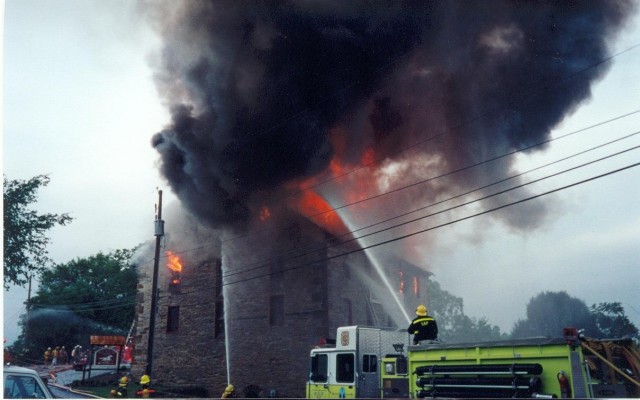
461,169
539,89
453,207
444,224
438,226
448,173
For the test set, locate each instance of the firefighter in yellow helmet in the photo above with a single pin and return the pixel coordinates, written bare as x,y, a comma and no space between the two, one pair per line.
121,391
228,392
145,391
423,326
47,356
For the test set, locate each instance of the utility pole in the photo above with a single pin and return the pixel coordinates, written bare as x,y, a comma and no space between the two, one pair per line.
159,233
26,322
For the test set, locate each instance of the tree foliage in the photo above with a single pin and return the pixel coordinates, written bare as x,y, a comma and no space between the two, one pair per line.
453,325
549,312
89,296
25,240
612,321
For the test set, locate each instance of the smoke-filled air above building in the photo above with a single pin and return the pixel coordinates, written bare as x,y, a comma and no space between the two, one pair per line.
317,105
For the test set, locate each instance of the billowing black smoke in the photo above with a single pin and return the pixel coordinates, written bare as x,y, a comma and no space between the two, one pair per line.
255,87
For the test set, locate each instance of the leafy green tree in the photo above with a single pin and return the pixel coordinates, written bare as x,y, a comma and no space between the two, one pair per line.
88,296
453,325
549,312
612,321
25,242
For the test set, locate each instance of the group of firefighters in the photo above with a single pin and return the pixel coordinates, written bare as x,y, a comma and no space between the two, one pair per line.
59,356
144,391
54,356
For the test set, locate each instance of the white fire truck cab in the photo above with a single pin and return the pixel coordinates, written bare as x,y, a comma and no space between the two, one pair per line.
351,367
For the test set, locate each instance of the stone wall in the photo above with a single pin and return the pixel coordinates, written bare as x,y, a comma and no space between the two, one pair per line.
191,355
277,308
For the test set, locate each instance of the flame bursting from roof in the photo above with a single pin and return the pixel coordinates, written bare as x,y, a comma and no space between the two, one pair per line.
173,261
346,189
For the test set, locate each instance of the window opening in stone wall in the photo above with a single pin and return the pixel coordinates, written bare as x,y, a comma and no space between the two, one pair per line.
219,326
218,278
369,363
348,312
276,310
277,272
219,302
173,318
344,367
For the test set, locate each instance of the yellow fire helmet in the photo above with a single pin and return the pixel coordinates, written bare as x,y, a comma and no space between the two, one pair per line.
145,379
124,381
421,310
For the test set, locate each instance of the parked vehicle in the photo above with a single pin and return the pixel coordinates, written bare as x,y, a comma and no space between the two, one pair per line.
24,383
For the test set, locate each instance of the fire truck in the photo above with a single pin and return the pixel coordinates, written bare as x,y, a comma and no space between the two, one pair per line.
367,362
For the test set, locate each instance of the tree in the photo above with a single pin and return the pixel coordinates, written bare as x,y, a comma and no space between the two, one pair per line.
549,312
612,321
25,242
453,324
89,296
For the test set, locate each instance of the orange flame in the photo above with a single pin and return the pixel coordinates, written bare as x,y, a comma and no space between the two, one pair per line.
356,187
173,262
265,213
315,207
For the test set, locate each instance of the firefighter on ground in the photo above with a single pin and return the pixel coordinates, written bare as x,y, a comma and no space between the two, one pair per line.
145,391
47,355
228,392
423,326
121,391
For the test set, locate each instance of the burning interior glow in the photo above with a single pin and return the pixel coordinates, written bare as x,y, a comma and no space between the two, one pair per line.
173,262
175,266
265,213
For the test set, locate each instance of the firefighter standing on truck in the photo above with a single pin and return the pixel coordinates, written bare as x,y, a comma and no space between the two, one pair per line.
423,326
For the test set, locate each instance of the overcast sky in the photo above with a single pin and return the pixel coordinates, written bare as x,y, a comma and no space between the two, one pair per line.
80,105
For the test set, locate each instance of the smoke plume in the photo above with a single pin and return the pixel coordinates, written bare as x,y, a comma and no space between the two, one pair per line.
265,95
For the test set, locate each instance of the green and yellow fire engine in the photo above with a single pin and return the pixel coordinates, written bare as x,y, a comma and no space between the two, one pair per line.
369,362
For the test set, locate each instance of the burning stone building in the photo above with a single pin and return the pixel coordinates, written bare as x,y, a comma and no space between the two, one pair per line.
264,303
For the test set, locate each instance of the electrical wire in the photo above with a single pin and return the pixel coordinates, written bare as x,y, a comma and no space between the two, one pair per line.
539,89
313,249
446,224
448,173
